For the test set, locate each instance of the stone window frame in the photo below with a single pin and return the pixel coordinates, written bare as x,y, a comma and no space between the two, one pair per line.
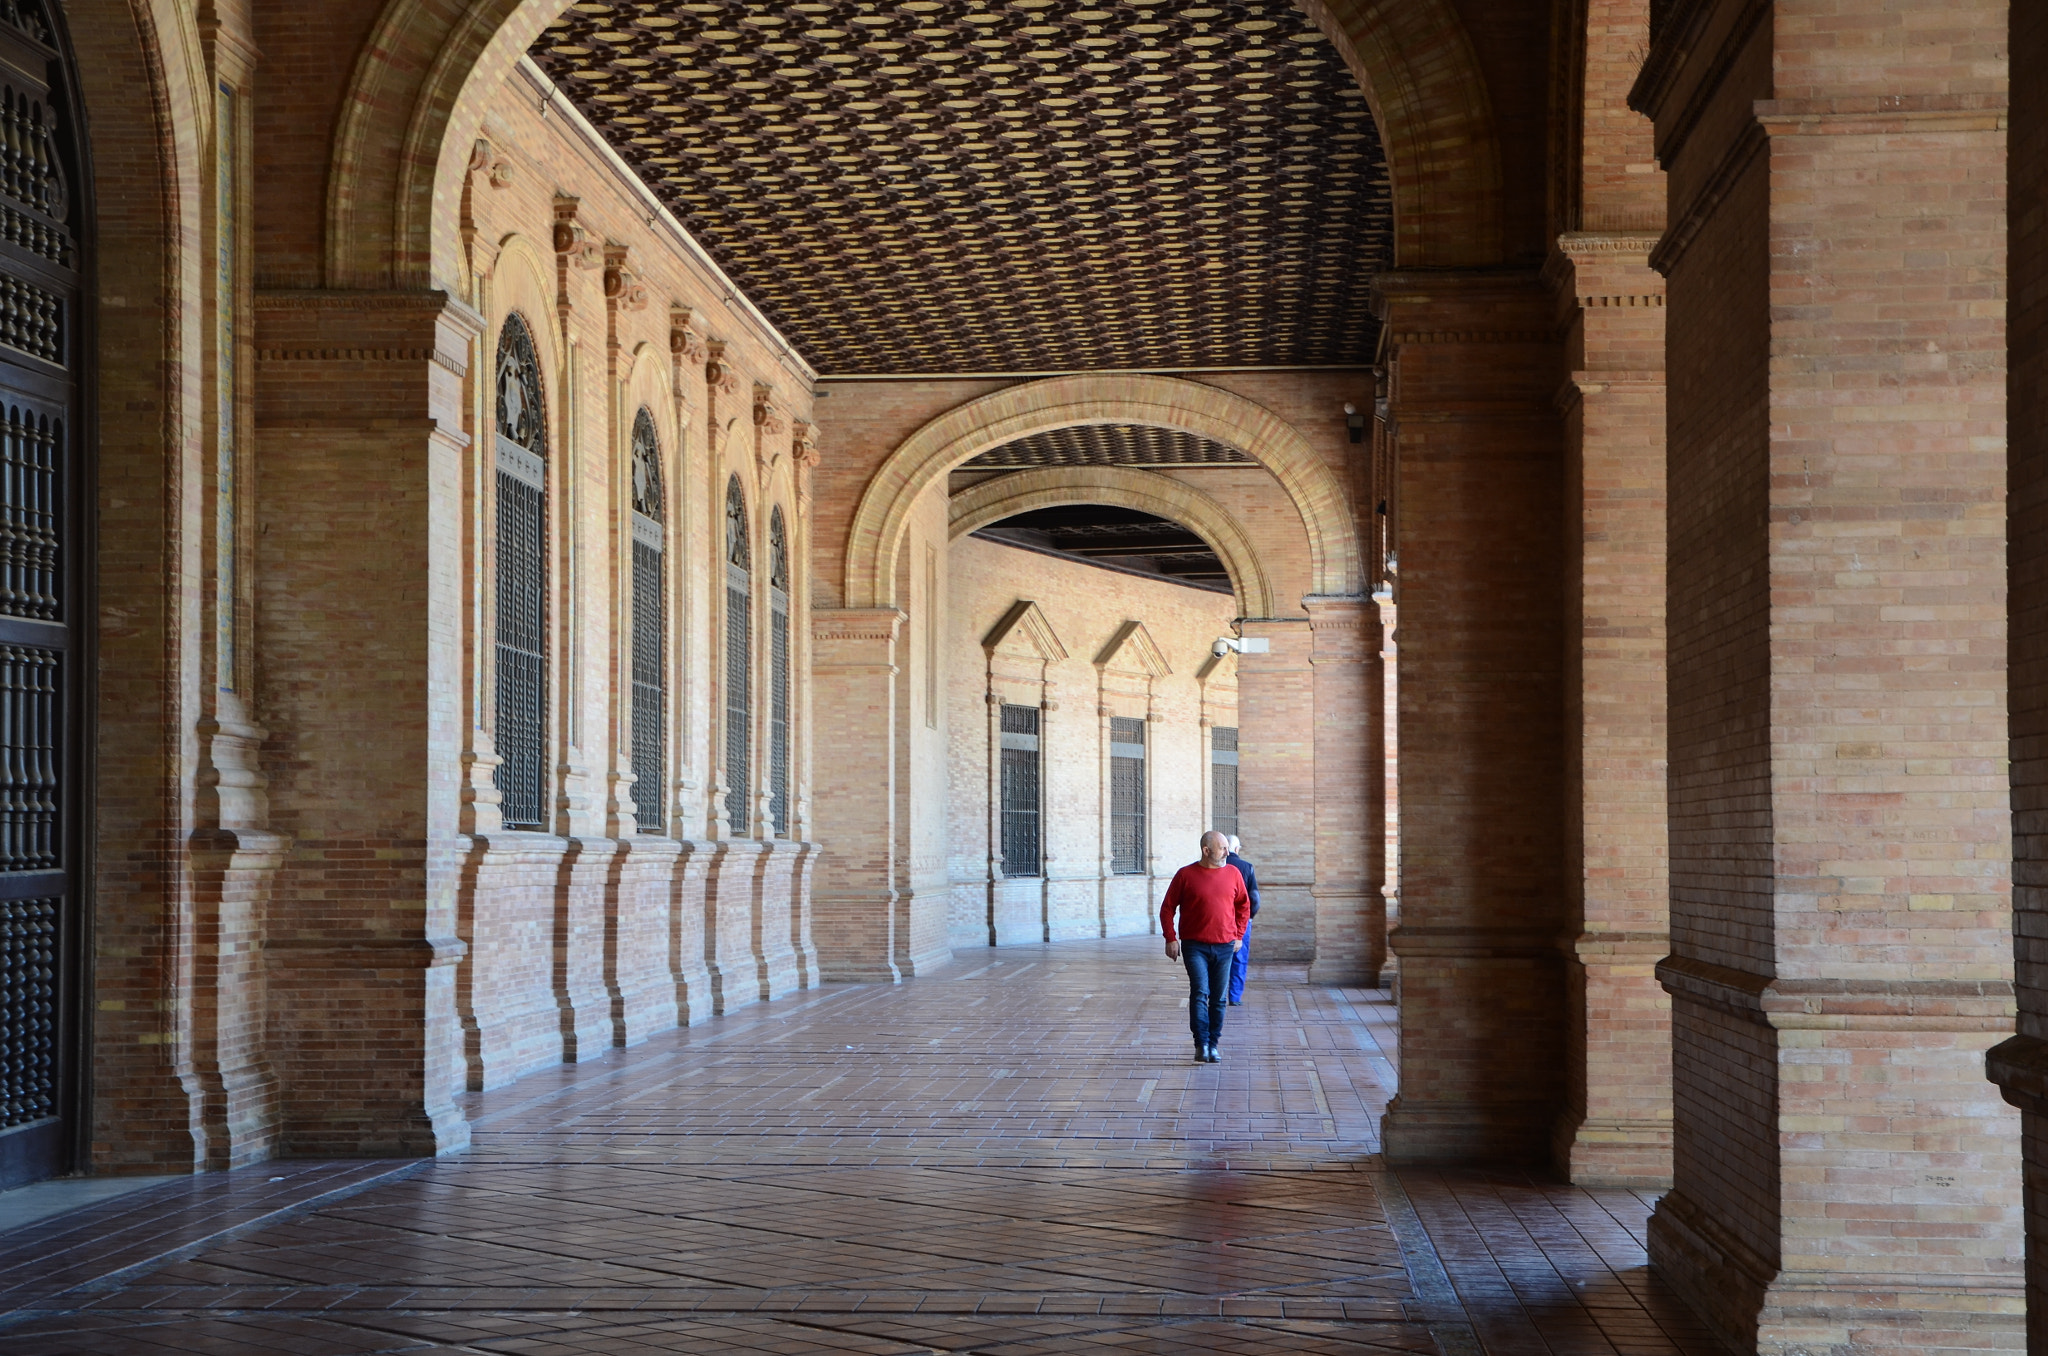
671,582
1020,651
732,797
1128,670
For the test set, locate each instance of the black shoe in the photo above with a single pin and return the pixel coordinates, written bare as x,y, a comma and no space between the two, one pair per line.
1209,1056
1237,1002
1201,1054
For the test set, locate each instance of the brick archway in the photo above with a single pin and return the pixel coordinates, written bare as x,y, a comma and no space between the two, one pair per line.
406,129
879,525
1055,487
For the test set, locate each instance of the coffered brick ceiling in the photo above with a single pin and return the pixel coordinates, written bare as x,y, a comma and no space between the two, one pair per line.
1108,445
934,186
1121,539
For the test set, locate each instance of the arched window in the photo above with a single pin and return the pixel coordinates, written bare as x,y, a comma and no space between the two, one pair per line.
522,668
650,628
739,660
778,673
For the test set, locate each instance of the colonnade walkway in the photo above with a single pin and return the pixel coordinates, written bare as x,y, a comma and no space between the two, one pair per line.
1014,1156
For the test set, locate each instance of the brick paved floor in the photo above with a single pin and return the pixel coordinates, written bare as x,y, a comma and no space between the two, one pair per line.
1012,1157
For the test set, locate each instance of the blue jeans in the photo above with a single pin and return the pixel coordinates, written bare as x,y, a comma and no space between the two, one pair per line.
1208,966
1239,963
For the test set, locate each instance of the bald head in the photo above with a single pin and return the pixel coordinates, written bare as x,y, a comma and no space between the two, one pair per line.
1215,847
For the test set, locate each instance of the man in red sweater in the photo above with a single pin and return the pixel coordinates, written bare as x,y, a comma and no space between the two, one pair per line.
1214,910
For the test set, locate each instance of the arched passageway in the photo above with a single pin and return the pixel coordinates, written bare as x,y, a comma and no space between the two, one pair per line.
1401,259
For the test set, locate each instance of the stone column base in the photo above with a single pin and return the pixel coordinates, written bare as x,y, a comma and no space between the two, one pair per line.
1417,1134
1614,1153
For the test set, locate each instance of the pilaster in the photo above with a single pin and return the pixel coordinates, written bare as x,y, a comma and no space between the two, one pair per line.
1473,359
360,400
1615,1126
1276,785
1839,808
1350,912
855,673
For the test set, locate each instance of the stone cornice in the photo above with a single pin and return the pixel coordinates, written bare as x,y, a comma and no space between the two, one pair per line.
857,623
1843,1004
1686,226
1674,50
1887,115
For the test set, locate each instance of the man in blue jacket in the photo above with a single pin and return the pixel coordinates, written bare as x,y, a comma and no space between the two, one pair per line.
1242,958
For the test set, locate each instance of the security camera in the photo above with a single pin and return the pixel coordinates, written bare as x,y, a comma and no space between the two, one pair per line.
1250,645
1223,646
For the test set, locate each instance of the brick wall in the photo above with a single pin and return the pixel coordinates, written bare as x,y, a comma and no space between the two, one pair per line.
2020,1065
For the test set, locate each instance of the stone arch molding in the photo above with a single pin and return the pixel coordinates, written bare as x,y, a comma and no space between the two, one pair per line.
1148,492
883,519
405,130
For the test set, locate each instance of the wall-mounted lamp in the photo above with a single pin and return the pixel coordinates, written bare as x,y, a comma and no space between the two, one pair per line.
1355,422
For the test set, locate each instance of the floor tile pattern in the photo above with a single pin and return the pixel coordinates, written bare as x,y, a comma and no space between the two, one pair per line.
1014,1157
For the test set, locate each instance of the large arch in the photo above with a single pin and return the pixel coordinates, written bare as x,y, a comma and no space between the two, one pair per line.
405,130
1335,560
1146,491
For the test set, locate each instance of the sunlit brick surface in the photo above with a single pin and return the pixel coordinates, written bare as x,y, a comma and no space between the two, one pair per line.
1012,1157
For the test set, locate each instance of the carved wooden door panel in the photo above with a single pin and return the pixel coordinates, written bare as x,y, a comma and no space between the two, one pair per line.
44,575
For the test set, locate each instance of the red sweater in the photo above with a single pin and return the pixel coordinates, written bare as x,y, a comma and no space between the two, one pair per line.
1212,903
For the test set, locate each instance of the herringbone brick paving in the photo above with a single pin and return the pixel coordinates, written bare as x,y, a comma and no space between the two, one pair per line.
1014,1157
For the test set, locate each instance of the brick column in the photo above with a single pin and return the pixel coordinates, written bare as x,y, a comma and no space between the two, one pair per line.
1473,371
1845,1179
359,433
1276,786
1350,833
1615,1129
854,680
2020,1064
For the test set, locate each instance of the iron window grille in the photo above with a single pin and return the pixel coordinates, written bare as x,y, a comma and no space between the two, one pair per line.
1021,780
778,673
522,577
1223,779
46,493
650,629
739,660
1126,797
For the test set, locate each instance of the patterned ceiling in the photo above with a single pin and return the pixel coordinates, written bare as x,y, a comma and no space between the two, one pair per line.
932,186
1108,445
1119,539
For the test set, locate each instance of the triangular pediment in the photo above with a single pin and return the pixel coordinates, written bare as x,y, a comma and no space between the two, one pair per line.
1133,650
1026,625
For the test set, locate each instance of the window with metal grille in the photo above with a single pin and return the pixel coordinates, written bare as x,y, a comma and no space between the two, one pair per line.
650,629
778,673
522,651
739,661
1022,855
1223,779
1127,797
46,497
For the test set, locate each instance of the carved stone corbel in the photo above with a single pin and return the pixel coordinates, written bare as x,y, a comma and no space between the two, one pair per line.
766,417
804,456
572,242
684,343
484,159
719,376
622,288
